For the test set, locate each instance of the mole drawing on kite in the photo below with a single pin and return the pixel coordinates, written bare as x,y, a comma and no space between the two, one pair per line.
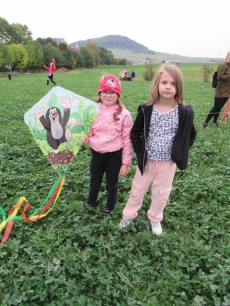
59,123
55,125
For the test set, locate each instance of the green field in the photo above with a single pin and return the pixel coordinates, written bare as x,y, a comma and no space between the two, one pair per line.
71,256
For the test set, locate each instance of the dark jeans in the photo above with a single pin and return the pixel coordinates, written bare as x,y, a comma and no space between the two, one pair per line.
51,79
110,164
9,76
215,111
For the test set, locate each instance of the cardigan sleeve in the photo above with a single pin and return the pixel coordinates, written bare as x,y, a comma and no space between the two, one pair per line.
137,130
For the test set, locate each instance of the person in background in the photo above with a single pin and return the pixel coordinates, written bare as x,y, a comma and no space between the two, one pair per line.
178,65
9,69
222,91
124,70
133,75
111,147
50,70
122,75
162,135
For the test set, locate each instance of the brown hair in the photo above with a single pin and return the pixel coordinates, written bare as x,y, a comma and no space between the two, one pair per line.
177,76
118,102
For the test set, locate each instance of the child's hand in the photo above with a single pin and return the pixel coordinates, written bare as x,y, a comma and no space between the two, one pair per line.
124,170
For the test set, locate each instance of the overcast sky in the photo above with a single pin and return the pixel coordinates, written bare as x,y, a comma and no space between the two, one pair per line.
198,28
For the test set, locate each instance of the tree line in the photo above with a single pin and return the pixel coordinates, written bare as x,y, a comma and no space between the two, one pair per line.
18,49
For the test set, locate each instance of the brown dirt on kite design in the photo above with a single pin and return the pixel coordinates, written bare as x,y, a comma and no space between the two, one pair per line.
61,158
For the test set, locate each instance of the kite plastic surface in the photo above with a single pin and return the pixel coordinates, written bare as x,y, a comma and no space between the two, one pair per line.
59,123
226,113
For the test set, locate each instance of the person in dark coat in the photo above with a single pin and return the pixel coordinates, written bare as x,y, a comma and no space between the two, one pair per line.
222,91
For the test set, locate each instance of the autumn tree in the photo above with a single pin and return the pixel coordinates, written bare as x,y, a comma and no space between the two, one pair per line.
93,48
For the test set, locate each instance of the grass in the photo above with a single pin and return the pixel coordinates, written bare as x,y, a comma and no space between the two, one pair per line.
71,257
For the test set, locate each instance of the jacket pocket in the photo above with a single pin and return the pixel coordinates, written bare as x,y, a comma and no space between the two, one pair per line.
135,191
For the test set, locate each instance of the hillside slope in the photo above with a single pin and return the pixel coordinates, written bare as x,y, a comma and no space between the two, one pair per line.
116,41
124,47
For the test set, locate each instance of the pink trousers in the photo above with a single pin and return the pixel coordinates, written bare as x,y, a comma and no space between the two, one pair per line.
160,176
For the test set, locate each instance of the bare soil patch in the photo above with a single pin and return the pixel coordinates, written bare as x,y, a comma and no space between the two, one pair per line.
61,70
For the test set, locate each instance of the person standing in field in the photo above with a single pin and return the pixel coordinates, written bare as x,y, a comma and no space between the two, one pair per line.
162,135
109,139
122,75
124,70
9,69
222,91
133,75
50,70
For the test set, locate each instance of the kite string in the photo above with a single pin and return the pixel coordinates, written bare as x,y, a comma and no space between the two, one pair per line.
39,213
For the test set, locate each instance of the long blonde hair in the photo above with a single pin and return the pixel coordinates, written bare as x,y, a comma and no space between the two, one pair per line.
177,76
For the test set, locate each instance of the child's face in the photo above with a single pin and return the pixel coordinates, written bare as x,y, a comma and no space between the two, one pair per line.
167,88
108,98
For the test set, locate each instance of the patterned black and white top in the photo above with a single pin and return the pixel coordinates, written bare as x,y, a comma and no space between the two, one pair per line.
163,127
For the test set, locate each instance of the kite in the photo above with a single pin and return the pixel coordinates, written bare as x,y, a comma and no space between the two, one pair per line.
226,113
59,123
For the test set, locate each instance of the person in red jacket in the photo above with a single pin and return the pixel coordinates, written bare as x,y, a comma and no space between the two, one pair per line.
51,69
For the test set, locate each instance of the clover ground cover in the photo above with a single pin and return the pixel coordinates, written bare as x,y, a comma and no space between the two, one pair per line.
71,257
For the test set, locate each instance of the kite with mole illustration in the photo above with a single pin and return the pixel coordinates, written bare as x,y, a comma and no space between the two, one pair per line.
59,123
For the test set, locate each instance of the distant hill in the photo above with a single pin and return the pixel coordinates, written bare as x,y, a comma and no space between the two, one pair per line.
115,41
124,47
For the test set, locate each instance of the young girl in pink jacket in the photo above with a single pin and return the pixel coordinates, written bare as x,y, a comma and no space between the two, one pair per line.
109,139
50,70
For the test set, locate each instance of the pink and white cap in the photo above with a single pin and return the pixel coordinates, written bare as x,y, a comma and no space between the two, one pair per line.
110,83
